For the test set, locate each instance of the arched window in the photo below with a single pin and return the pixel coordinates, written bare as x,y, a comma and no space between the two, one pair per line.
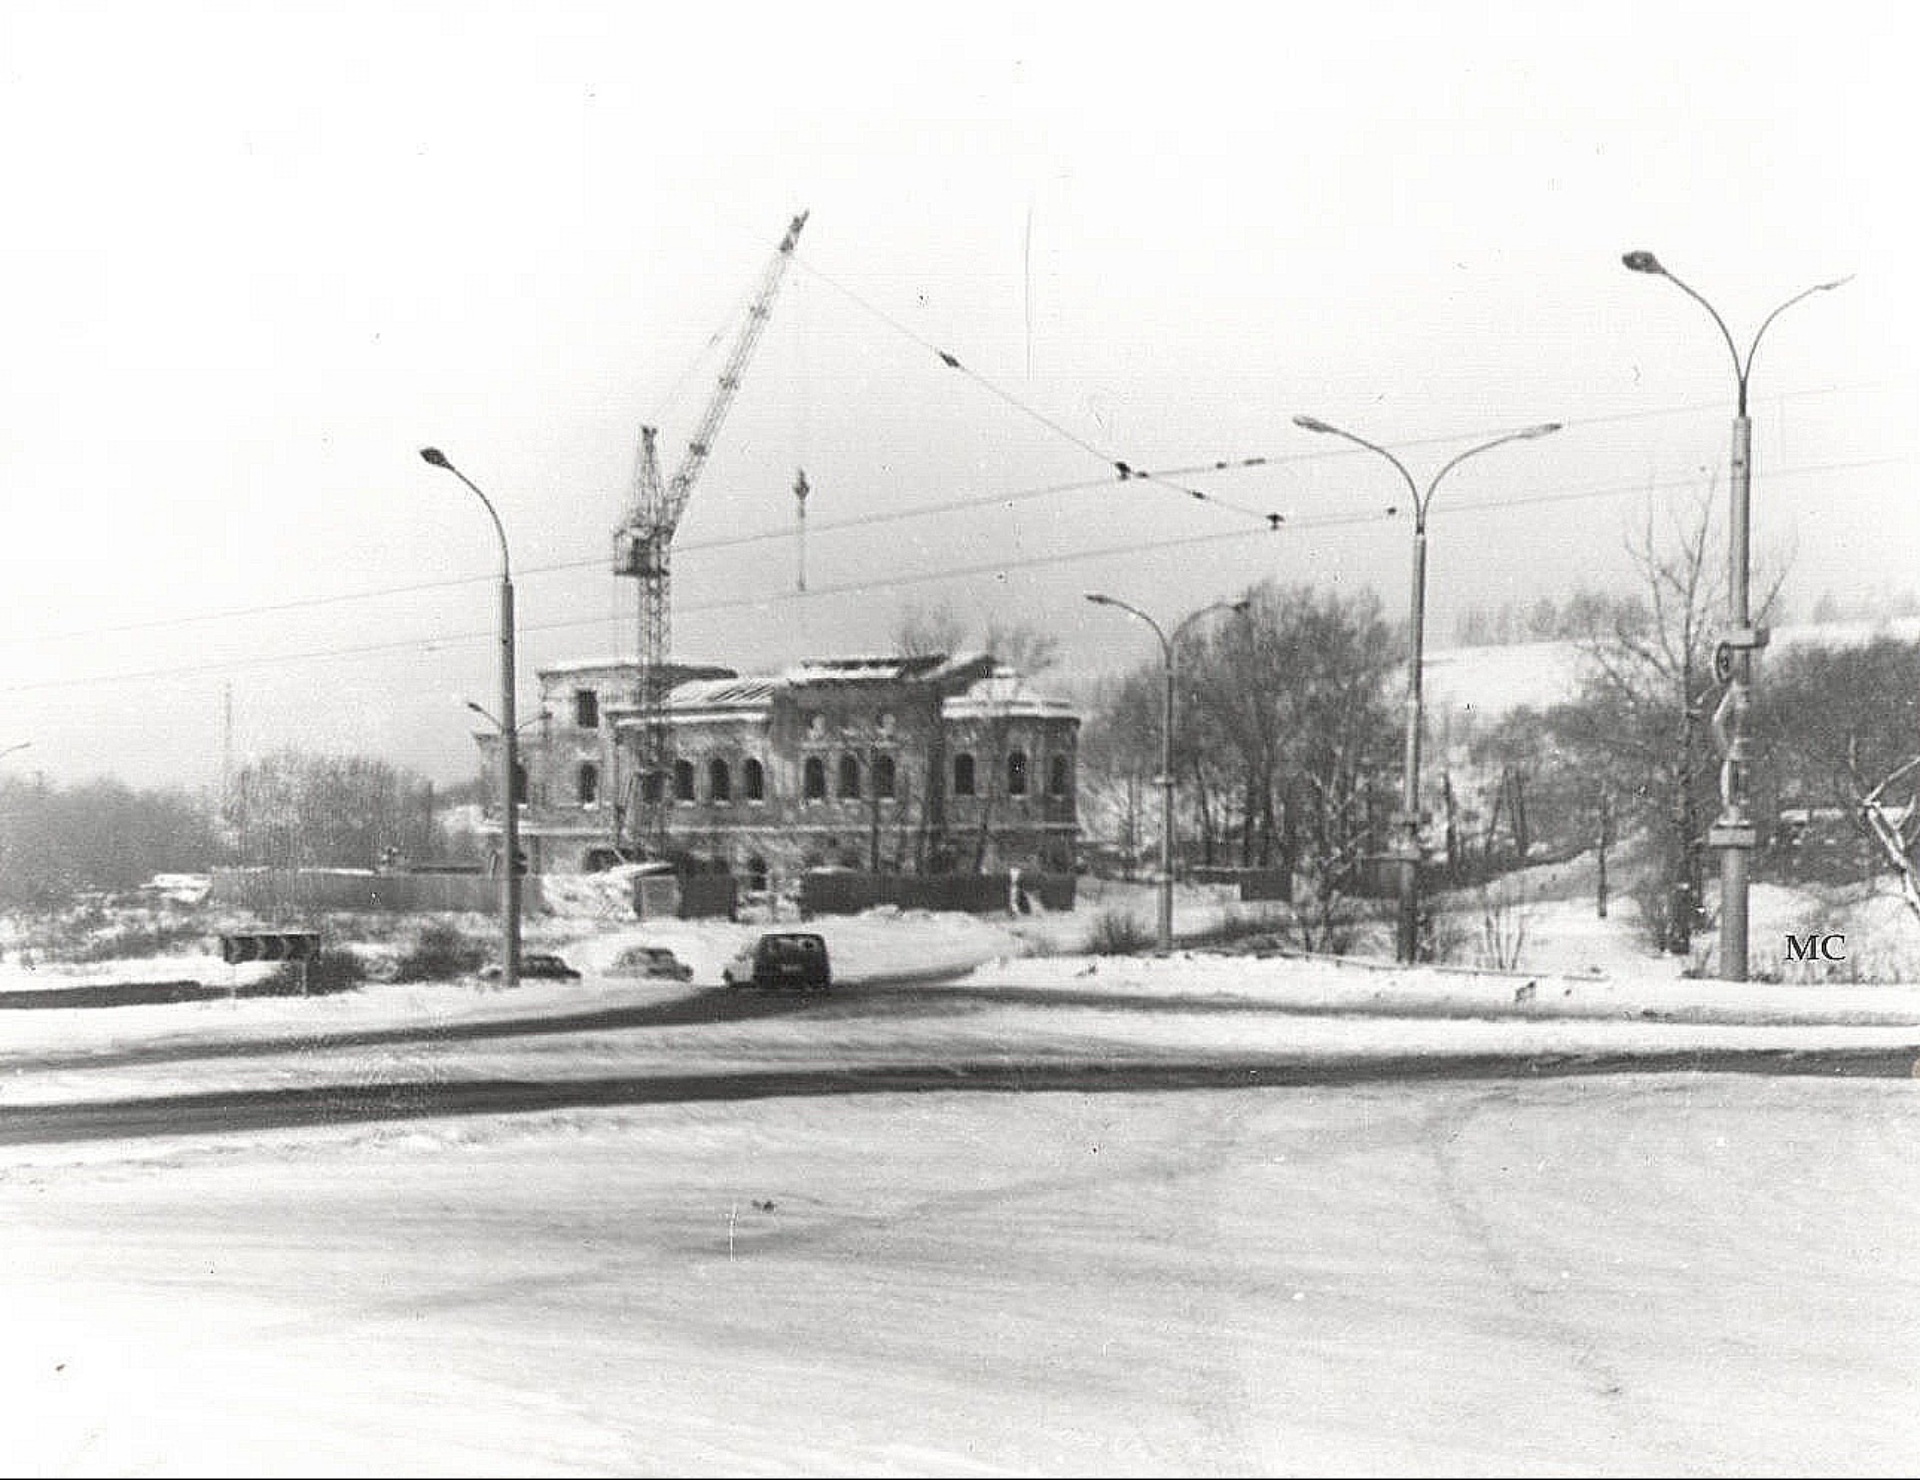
814,786
1016,773
753,780
586,784
849,776
719,781
650,787
1057,776
683,781
756,869
963,775
883,777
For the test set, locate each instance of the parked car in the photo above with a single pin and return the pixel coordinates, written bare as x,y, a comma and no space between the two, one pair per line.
535,964
652,961
781,958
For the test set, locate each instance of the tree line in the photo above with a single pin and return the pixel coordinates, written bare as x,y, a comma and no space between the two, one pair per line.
288,809
1288,733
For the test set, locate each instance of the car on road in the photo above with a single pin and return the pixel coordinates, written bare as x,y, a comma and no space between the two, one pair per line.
652,961
535,965
782,958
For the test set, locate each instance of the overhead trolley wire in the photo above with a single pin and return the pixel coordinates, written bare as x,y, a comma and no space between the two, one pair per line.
919,511
1124,471
1309,522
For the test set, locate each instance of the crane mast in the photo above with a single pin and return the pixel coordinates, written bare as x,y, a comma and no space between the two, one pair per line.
643,550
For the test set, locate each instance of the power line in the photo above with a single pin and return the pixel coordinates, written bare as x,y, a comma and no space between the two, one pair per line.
996,567
1125,471
925,511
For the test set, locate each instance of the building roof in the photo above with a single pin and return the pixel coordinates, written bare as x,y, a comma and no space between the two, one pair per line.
1003,694
975,687
629,666
722,693
889,668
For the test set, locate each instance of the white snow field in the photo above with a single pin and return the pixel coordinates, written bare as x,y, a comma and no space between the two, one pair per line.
1630,1275
1502,1272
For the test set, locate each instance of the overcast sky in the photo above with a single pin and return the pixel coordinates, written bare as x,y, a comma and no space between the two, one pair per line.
257,256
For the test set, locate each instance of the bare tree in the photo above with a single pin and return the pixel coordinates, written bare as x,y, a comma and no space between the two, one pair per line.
1646,694
1021,646
293,809
1285,707
1837,720
922,631
1897,829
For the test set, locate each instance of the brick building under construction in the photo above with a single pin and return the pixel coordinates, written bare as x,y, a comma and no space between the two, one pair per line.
923,765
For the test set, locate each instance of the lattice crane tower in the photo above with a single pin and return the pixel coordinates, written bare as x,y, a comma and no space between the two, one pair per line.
643,549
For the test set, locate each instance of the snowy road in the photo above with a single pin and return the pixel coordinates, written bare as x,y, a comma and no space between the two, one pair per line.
1456,1229
394,1099
1666,1274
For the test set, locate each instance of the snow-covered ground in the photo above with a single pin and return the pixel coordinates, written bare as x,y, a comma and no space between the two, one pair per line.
1683,1275
1673,1273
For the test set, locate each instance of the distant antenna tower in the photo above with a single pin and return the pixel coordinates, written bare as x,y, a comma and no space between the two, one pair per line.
226,761
800,491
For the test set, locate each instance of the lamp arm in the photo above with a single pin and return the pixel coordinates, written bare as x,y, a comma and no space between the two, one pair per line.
1412,487
1470,452
499,529
1765,323
1739,370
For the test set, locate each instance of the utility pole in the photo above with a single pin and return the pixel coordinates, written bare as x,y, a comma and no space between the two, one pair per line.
1407,819
1734,831
1168,645
509,743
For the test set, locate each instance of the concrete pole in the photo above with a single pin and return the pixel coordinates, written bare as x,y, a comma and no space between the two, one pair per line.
1166,802
1734,858
510,801
1734,832
1407,934
509,739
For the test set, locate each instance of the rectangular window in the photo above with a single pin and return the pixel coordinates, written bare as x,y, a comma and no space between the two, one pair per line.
586,709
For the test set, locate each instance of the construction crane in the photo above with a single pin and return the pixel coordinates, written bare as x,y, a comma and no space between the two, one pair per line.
643,549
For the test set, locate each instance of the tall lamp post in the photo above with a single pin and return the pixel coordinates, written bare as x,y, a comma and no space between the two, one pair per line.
1167,647
1734,832
509,744
1407,820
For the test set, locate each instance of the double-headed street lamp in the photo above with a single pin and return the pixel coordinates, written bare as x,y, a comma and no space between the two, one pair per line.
1734,832
509,744
1167,647
1407,821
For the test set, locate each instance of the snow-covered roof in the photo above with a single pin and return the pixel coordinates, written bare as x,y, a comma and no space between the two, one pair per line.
587,665
1002,694
888,668
722,693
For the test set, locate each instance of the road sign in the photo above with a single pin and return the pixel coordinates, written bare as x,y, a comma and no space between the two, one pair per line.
269,945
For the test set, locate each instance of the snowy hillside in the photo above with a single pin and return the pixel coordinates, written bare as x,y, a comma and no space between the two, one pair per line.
1487,682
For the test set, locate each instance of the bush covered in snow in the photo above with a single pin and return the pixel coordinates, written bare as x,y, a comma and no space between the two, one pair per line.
441,952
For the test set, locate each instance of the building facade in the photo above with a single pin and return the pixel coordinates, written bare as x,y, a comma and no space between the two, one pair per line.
929,764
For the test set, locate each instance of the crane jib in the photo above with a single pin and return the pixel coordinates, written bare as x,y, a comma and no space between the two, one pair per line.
642,549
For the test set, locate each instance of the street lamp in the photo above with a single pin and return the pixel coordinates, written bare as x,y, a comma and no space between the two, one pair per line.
509,743
1734,832
1407,820
1167,646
